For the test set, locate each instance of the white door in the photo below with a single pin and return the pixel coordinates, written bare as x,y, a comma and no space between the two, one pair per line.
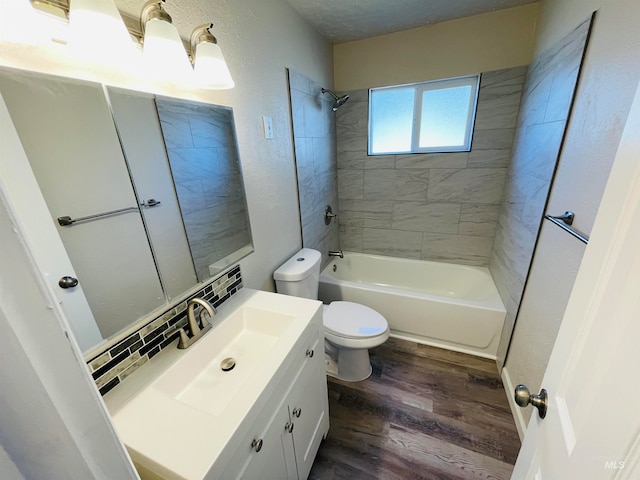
23,193
592,427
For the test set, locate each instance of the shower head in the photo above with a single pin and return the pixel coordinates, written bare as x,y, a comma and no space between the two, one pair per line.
339,101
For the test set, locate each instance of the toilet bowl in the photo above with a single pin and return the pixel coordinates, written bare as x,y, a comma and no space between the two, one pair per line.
350,329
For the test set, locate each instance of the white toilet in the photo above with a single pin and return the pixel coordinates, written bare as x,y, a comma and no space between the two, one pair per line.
350,329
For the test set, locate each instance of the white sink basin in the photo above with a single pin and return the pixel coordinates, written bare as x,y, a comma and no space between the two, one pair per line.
178,412
247,336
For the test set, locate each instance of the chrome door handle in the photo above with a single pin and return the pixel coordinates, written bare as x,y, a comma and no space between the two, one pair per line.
523,398
567,217
67,282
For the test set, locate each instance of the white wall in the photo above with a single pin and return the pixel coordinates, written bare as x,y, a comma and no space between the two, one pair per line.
481,43
610,76
259,40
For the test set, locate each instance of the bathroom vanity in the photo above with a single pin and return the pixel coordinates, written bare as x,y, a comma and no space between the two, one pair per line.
183,416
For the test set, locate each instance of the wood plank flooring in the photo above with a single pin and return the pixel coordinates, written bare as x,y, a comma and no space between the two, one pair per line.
425,413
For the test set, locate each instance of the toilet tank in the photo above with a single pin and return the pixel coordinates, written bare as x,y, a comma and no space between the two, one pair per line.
299,276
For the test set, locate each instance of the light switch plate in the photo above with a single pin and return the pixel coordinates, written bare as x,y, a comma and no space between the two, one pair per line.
268,127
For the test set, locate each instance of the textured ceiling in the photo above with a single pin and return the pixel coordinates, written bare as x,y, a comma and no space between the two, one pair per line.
345,20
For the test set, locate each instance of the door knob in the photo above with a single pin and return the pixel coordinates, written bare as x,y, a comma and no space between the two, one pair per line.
523,398
67,282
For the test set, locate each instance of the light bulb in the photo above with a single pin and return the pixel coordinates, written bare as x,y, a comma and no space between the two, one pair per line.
98,33
163,52
210,68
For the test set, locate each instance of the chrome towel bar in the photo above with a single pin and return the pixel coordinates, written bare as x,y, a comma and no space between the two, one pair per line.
68,221
565,221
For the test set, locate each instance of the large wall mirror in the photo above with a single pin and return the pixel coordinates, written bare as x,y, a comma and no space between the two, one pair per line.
146,191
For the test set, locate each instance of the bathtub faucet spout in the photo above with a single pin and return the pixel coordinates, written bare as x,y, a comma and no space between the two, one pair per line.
336,254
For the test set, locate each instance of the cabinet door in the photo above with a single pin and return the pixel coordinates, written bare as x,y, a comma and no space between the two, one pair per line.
274,461
309,410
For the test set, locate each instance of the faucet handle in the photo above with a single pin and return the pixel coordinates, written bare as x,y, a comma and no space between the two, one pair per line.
183,336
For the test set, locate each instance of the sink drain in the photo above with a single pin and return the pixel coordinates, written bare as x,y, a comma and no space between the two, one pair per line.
227,364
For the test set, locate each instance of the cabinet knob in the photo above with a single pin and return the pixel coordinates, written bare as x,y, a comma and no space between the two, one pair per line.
297,412
257,444
289,427
310,353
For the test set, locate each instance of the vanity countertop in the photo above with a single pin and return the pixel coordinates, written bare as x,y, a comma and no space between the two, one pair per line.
176,413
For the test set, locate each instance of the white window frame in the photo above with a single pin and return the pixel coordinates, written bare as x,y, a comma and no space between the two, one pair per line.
472,81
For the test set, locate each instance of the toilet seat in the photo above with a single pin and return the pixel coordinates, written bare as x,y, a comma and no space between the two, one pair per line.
349,320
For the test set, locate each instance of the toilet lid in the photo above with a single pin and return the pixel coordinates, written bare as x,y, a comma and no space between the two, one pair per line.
348,319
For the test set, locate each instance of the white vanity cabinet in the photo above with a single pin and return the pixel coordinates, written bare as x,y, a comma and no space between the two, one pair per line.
183,417
290,426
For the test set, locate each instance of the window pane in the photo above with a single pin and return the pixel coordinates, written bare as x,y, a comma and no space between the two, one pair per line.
391,120
444,117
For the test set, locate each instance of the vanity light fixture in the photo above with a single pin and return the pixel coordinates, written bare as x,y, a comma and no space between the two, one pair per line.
97,31
209,66
162,49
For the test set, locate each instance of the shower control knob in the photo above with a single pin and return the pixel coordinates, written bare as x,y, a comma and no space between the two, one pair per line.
67,282
257,444
310,353
297,412
524,397
289,427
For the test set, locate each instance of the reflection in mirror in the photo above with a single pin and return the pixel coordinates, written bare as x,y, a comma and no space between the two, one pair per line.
140,135
67,132
201,145
130,265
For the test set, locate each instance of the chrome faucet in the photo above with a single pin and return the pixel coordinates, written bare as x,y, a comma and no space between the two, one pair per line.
336,254
206,308
196,331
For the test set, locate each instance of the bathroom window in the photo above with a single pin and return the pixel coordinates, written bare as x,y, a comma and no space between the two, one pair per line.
423,117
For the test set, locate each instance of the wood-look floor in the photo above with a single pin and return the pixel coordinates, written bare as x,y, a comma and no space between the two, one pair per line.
425,413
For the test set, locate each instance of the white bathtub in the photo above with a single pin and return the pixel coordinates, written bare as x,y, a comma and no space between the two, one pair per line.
441,304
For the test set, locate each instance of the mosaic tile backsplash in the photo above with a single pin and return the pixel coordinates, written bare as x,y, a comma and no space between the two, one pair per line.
111,367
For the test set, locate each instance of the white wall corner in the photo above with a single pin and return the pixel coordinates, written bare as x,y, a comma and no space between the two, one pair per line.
516,411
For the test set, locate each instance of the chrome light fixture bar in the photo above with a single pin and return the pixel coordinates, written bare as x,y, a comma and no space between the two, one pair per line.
155,29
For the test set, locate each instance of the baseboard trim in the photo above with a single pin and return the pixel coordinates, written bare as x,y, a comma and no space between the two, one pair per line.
516,411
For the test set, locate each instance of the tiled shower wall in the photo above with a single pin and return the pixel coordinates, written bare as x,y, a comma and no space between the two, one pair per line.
436,206
546,101
314,134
